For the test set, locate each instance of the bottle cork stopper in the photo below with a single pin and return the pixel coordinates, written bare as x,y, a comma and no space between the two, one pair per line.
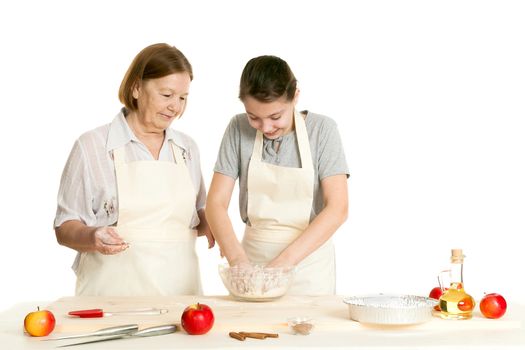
457,256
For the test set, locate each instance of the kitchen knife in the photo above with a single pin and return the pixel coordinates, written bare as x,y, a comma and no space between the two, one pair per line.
110,331
92,313
146,332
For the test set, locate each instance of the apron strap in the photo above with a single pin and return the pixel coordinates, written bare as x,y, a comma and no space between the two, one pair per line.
118,156
177,153
258,146
302,141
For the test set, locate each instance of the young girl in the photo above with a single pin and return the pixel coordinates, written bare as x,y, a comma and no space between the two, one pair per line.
292,176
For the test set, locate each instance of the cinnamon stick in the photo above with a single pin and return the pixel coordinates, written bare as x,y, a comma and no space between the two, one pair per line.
237,336
253,335
259,335
271,335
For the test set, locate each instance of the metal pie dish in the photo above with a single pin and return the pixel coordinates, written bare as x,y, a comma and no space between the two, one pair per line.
390,309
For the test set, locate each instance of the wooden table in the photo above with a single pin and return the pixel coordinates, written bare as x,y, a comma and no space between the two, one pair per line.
332,327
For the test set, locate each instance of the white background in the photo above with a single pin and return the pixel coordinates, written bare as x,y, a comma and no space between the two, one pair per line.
428,96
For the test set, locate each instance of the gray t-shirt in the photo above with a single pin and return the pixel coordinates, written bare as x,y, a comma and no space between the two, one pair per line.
325,145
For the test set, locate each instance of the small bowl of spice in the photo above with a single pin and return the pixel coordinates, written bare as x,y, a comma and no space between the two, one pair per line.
255,282
301,325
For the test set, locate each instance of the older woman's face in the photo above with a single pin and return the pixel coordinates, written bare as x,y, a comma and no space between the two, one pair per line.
161,101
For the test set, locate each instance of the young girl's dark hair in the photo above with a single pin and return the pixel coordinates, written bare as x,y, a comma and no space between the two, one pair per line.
266,79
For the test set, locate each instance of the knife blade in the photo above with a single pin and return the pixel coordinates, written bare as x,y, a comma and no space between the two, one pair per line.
110,331
93,313
146,332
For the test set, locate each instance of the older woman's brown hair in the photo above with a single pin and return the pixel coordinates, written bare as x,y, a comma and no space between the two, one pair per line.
154,61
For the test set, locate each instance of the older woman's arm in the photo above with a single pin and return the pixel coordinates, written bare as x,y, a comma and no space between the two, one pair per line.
76,235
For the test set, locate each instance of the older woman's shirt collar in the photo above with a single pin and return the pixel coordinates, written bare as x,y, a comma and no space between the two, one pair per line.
121,134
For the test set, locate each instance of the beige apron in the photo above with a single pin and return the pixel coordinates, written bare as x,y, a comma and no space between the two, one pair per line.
279,205
156,204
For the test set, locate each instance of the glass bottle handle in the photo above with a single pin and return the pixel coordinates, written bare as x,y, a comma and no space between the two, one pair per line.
440,279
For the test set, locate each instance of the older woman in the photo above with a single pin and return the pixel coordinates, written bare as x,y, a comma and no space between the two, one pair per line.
292,176
131,199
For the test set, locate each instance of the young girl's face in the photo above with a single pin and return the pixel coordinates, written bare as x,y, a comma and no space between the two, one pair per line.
273,119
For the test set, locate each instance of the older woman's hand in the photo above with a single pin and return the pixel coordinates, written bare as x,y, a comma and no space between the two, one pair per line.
108,242
203,229
206,231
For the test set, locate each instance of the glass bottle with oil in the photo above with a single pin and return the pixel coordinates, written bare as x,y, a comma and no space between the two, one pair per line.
455,303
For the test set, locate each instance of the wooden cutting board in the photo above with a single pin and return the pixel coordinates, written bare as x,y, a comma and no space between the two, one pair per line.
329,313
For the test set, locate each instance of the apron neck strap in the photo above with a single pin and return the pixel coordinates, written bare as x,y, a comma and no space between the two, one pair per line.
177,153
302,141
119,156
258,146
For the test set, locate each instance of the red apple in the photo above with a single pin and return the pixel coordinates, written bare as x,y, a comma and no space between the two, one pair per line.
39,323
466,304
436,293
493,305
197,319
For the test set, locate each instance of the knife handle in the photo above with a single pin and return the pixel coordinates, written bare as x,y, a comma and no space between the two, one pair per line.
91,313
157,330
